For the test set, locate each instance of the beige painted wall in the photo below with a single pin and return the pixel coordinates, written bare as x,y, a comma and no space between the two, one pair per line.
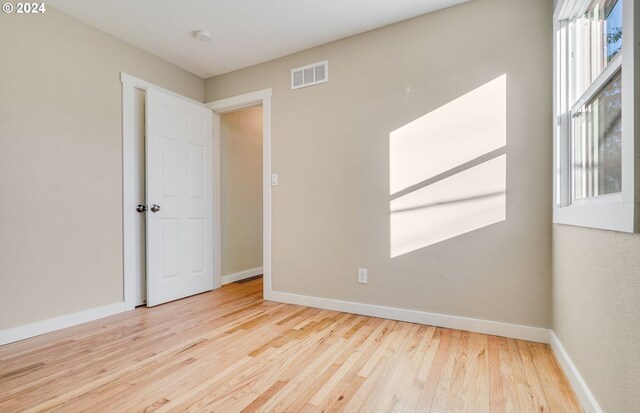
596,310
60,162
241,190
331,150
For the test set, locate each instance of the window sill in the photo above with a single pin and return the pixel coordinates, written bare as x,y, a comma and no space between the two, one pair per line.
610,216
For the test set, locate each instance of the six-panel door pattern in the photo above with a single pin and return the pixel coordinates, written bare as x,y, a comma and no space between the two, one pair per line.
180,182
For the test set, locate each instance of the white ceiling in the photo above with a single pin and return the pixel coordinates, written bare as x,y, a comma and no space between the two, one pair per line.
245,32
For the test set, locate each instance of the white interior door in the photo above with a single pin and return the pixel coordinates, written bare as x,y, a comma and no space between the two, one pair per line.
179,164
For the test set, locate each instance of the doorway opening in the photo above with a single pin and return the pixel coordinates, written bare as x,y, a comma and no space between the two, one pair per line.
241,194
205,232
261,98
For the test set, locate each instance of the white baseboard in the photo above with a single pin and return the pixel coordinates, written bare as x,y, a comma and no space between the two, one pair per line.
586,398
226,279
540,335
18,333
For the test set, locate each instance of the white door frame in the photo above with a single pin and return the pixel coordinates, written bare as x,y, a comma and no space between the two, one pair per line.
129,84
260,97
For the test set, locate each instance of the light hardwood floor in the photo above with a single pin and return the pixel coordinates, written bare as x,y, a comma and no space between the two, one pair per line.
230,351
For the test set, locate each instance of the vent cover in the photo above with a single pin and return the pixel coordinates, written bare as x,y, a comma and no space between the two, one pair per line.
310,75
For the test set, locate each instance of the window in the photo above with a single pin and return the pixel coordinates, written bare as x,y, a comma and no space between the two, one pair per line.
594,168
596,147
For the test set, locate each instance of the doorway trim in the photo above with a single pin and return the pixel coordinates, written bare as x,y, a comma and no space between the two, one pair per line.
247,100
129,84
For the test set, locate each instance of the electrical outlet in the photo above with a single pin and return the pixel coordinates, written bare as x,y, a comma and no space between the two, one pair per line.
362,275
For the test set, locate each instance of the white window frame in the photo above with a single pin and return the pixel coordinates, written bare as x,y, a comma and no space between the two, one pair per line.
618,212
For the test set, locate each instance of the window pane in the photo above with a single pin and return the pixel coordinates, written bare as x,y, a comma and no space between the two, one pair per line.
598,39
614,30
597,144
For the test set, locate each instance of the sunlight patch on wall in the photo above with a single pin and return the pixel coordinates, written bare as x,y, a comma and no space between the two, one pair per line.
448,170
453,206
460,131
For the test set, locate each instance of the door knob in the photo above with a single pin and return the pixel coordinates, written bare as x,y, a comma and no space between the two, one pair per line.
141,208
155,208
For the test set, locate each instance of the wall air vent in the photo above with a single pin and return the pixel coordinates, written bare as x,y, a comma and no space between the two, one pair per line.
310,75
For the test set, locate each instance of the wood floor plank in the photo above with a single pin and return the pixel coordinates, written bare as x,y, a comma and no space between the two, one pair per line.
538,397
230,351
408,392
559,394
512,378
365,341
431,382
447,375
496,393
477,376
